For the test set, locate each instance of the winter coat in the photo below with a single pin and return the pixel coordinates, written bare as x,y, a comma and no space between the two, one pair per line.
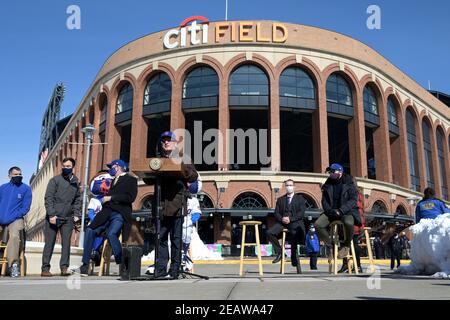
62,197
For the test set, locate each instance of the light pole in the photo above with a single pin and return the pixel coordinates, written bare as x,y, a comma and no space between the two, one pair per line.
89,135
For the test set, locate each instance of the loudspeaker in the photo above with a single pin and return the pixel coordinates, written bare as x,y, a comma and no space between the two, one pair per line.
130,268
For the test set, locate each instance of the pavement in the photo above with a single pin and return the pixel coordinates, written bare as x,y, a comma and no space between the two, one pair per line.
226,284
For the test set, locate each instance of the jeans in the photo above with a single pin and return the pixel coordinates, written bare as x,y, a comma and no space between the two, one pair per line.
113,227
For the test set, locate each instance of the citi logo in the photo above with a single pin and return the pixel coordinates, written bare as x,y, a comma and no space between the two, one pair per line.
178,37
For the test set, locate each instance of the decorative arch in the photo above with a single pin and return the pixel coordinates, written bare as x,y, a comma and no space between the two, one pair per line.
257,59
379,206
249,200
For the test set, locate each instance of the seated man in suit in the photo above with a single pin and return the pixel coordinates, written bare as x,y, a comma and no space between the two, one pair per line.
289,212
115,216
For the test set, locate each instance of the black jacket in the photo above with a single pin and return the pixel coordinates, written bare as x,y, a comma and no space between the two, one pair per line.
349,198
123,194
62,197
298,204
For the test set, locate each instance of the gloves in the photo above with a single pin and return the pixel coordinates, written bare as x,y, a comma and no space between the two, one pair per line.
195,217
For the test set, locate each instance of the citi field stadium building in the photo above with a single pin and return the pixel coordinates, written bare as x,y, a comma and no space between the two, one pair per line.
322,97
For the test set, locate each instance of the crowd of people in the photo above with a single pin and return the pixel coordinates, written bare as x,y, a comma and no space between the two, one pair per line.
115,190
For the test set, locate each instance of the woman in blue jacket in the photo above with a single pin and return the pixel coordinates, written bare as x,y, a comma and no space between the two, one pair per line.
312,247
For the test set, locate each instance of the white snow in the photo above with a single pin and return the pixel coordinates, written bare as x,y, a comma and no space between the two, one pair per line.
430,248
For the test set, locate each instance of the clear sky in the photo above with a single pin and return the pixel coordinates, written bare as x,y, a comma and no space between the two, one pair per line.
37,50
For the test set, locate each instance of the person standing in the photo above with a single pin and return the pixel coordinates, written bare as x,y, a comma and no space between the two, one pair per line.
174,192
63,209
289,212
395,246
339,202
115,216
312,247
15,202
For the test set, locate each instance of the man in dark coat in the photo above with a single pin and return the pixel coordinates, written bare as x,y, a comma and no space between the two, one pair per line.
339,202
63,208
289,212
115,216
173,204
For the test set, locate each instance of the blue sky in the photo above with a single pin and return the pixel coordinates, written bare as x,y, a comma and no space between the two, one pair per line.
37,50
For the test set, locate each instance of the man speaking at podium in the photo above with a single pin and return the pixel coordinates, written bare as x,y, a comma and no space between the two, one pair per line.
173,203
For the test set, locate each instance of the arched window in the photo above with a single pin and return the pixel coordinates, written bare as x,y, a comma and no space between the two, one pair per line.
147,203
205,201
125,99
427,151
248,86
412,151
199,83
441,156
297,89
401,210
310,203
338,90
157,94
392,112
249,200
370,101
103,110
379,207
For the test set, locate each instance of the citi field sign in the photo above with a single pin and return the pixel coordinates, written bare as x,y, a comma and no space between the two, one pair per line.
197,29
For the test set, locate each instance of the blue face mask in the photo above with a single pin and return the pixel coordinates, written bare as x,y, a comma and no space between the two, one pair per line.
67,171
112,172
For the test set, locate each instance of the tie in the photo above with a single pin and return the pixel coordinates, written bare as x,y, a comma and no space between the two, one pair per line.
115,180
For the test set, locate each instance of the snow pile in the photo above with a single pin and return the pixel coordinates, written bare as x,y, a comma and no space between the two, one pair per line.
430,248
199,250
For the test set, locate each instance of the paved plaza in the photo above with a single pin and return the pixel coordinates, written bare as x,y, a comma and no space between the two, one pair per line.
225,284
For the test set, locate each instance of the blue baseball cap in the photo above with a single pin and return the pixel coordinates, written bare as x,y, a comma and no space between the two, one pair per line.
118,162
335,167
169,134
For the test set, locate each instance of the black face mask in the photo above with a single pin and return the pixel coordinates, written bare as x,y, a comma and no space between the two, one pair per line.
67,171
17,180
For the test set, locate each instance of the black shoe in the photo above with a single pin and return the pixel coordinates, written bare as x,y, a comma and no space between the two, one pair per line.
277,258
314,268
84,270
344,269
95,256
294,262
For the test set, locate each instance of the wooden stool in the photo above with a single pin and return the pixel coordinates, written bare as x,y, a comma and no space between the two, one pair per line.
4,260
244,225
283,249
105,259
371,268
351,258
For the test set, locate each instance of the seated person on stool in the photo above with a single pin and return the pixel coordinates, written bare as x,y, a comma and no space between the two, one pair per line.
99,187
15,202
116,214
289,212
357,231
339,202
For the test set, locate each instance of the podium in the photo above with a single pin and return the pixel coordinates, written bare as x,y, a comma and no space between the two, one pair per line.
152,171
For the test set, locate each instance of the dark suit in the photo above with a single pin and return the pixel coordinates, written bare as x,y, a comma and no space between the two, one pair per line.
296,211
122,193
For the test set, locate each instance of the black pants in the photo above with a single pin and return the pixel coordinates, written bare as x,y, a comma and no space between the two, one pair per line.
296,236
313,260
50,233
395,255
172,225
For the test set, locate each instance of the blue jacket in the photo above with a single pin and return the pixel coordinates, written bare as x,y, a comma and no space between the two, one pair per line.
15,202
312,245
430,209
